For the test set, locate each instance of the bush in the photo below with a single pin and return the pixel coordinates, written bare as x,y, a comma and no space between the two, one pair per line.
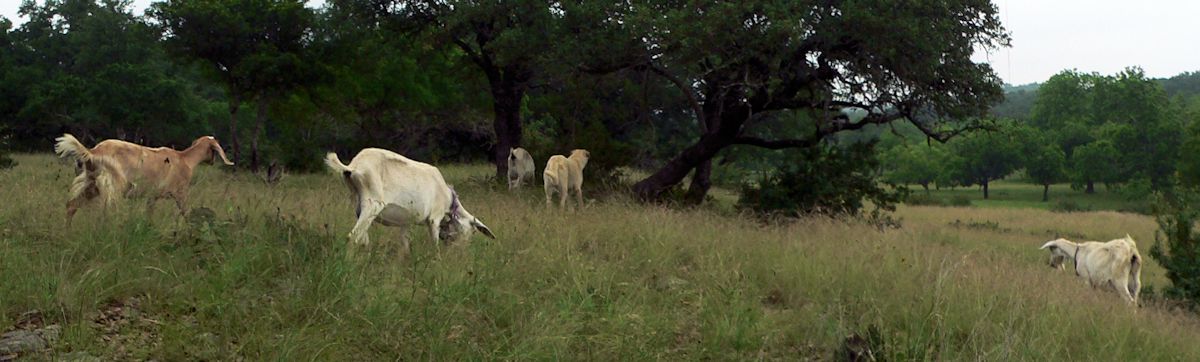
959,200
825,180
1068,206
6,161
924,200
1177,247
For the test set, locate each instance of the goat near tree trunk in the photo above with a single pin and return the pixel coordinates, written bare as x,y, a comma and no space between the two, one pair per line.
115,169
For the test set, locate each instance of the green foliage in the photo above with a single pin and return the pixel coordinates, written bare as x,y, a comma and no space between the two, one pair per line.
1177,245
1068,206
1045,163
982,157
824,180
1093,163
915,164
94,69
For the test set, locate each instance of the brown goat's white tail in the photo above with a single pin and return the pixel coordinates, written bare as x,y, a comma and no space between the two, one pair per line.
99,174
68,145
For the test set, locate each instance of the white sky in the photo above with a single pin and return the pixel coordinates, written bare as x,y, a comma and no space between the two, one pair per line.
1102,36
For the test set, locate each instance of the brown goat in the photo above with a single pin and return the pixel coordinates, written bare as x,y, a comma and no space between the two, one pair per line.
115,169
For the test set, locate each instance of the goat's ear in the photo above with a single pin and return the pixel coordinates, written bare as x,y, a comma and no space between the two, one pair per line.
482,228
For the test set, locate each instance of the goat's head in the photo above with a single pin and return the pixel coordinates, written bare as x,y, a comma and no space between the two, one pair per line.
459,225
214,149
581,156
1058,252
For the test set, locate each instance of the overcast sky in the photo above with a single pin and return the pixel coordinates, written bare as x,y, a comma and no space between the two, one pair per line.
1102,36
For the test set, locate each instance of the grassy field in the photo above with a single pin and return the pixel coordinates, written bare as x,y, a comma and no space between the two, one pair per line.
270,277
1014,194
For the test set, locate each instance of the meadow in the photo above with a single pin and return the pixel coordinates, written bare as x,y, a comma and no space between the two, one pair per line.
1015,193
268,275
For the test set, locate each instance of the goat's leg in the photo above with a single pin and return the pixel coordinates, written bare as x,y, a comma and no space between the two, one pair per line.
85,194
563,190
435,233
549,192
181,201
370,210
579,195
1122,287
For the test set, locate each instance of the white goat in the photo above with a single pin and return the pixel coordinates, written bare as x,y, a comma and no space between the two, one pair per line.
1115,264
395,191
520,167
564,174
116,168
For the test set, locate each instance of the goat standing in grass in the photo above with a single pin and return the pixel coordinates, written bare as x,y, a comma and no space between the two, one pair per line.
520,167
564,174
115,169
1115,264
395,191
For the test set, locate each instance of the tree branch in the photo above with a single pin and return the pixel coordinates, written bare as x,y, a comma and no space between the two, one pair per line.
687,91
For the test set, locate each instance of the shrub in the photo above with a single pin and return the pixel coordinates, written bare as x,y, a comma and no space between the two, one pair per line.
959,200
924,200
6,161
1177,247
1068,206
828,180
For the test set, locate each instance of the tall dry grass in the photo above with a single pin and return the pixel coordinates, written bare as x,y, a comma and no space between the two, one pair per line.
270,277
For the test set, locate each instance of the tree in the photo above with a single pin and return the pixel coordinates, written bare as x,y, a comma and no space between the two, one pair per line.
914,164
507,40
96,70
1064,98
254,47
1045,166
1094,162
983,157
740,61
1134,114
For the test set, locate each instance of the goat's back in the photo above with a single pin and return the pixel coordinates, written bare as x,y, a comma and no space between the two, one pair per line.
520,162
388,177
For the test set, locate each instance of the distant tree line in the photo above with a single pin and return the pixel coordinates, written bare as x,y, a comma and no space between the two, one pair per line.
1124,131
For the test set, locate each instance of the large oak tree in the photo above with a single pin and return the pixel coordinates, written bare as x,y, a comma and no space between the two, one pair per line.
739,61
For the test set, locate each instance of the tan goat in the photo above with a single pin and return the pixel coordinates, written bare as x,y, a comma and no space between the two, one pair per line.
564,174
115,169
520,167
1116,264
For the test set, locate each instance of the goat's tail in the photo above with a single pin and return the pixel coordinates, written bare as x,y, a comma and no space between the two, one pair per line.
69,146
98,174
335,164
1135,276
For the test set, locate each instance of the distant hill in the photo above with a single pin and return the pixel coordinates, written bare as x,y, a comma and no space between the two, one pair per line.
1185,84
1018,101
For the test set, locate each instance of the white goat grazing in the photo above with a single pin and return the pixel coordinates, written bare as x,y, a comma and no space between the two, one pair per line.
563,174
520,167
116,168
1115,264
395,191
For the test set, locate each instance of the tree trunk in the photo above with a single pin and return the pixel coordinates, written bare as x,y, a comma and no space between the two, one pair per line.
926,186
234,104
675,169
701,182
260,118
985,189
506,103
1045,192
1091,188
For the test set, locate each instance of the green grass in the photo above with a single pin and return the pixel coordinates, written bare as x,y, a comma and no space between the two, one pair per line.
1012,194
271,277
